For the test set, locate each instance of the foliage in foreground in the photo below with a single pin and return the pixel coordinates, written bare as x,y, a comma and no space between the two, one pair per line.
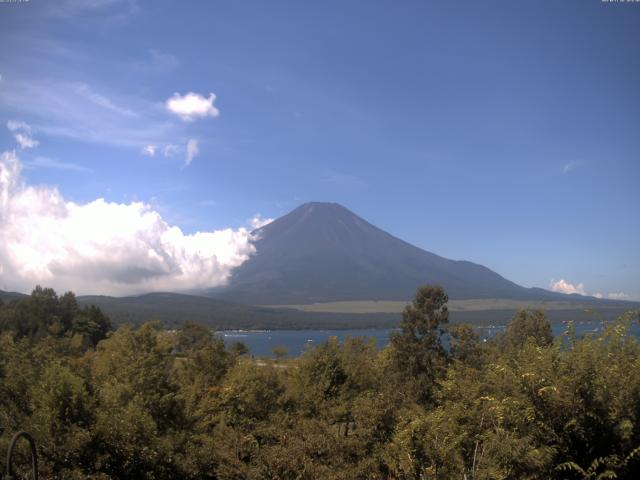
152,404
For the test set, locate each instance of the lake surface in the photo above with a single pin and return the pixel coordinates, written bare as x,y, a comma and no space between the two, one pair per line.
262,342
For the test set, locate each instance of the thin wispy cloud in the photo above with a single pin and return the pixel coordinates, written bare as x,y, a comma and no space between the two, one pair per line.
157,62
16,125
80,112
108,10
170,150
22,133
192,151
569,167
76,111
46,162
102,101
96,111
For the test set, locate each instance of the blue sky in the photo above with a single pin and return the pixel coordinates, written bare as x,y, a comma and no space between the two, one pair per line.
506,133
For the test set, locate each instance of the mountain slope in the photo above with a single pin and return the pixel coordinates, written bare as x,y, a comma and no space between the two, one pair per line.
322,252
9,296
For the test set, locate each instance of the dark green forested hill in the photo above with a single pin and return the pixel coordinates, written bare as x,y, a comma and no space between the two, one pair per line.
8,296
155,404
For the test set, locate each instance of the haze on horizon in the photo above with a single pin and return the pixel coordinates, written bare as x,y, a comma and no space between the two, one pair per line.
143,141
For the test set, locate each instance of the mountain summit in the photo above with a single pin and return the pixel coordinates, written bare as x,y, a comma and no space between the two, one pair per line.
322,252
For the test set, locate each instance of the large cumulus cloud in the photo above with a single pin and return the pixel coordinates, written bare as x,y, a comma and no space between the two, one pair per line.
103,247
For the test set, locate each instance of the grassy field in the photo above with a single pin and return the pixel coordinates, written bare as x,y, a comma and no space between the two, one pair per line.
473,305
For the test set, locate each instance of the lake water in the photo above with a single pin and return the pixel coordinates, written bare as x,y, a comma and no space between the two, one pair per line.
262,342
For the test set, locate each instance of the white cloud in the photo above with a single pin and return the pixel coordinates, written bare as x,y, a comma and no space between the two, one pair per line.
22,133
149,150
25,141
563,286
192,105
618,296
103,247
258,221
192,151
45,162
14,125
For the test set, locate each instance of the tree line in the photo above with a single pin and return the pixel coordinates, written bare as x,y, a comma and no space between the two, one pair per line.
152,403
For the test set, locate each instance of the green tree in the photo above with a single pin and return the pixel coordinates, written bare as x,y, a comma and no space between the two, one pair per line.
44,314
139,406
193,336
62,418
250,393
418,355
528,324
466,346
